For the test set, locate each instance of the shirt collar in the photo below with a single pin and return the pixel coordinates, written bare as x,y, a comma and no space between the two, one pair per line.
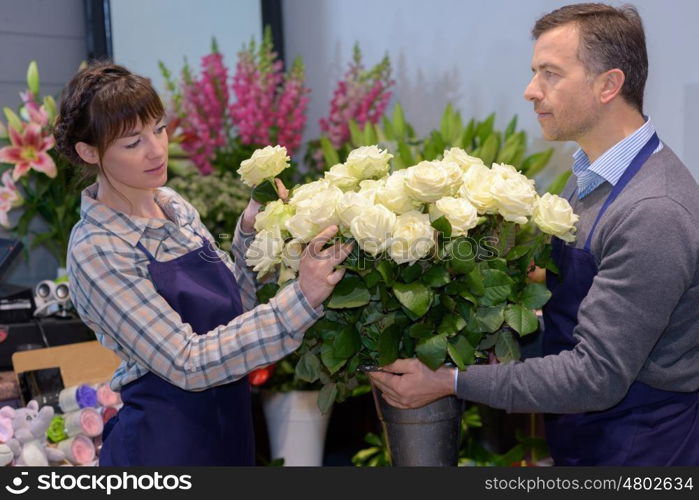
130,228
613,162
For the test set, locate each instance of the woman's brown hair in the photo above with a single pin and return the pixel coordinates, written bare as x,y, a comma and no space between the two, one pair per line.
100,104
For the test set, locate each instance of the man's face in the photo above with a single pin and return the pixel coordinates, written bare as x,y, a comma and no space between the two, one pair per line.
563,95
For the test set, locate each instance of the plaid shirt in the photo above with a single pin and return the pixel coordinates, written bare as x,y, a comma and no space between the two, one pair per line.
114,295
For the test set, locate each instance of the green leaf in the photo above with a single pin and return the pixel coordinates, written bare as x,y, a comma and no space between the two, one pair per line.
420,330
372,279
521,319
468,136
506,347
350,292
475,283
436,276
389,345
517,252
535,163
405,155
451,324
387,271
329,153
498,286
489,149
559,183
535,295
432,351
388,129
461,352
370,136
411,272
511,127
308,368
326,398
485,128
356,135
266,292
415,297
398,120
330,360
265,192
347,343
443,226
461,256
491,318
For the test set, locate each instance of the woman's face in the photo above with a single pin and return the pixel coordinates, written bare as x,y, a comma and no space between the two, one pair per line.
138,159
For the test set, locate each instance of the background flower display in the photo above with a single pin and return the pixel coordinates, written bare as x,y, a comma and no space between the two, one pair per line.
34,176
217,120
440,267
360,97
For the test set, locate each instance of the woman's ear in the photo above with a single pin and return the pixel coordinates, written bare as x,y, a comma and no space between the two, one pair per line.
612,83
87,153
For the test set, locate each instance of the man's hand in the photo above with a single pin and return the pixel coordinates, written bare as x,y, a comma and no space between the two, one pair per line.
407,383
247,222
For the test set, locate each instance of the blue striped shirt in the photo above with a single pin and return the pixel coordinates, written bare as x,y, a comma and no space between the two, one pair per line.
611,165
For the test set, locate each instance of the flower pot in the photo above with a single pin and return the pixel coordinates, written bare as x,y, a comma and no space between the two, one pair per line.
295,426
426,436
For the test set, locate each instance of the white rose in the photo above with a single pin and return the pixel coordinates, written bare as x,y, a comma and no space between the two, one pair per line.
340,176
321,208
554,215
373,228
461,158
477,182
264,163
429,181
274,215
368,162
370,189
412,238
265,251
394,196
513,193
291,255
350,206
306,191
301,227
460,213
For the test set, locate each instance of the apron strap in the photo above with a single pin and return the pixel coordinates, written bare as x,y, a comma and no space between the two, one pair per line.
143,249
636,164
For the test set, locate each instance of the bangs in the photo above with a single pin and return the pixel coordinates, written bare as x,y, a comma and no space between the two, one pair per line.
120,105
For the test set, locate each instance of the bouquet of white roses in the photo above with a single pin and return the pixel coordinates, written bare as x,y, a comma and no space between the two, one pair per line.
440,267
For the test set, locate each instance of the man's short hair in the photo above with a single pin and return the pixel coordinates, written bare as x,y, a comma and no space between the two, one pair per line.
609,38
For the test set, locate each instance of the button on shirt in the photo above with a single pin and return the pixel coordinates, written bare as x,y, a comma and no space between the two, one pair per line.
114,296
611,165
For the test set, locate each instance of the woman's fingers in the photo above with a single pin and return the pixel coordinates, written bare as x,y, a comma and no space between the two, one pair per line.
281,190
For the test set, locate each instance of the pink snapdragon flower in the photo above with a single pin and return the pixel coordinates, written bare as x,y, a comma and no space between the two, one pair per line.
361,96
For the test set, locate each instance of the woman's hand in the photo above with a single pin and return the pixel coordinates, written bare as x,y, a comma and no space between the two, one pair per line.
247,223
317,273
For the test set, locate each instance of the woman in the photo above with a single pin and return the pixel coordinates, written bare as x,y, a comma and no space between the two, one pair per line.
147,279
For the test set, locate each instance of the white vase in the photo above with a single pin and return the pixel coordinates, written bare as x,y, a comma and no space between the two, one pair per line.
295,426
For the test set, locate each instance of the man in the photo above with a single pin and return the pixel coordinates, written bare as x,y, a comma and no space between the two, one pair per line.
620,375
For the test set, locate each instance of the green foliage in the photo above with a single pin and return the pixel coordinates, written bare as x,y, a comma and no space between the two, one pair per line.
219,198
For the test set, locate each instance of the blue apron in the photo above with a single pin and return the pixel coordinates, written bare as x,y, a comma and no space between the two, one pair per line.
163,425
649,426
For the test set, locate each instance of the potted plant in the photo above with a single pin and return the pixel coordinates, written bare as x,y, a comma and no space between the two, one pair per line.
35,178
439,270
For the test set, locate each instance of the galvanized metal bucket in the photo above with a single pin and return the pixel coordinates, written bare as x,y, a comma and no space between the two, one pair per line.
426,436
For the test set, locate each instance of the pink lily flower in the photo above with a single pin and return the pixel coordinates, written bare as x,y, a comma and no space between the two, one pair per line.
9,198
29,150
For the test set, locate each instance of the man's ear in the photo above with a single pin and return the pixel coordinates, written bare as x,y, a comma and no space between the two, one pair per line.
87,153
612,82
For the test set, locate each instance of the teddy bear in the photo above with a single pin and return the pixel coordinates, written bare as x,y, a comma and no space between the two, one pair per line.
27,439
